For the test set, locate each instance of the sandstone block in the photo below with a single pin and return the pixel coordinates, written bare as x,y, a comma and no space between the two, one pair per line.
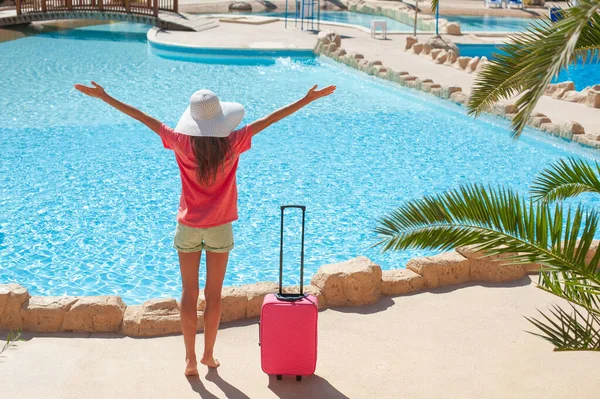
401,281
447,91
443,44
537,121
493,268
46,313
472,65
12,298
95,314
426,49
571,128
130,325
453,268
240,6
452,57
425,267
308,289
574,96
234,303
593,99
482,63
453,28
463,62
495,272
434,53
255,294
441,58
459,98
436,91
410,41
159,317
551,128
352,283
417,48
329,36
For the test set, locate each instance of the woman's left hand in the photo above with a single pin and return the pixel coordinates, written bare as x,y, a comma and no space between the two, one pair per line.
97,91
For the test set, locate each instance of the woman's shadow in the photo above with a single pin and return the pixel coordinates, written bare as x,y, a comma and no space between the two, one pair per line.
310,387
213,376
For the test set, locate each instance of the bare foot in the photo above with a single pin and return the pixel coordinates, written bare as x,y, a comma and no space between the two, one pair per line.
191,368
210,362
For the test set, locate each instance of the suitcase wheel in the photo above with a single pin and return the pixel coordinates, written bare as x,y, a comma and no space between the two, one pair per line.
298,378
279,377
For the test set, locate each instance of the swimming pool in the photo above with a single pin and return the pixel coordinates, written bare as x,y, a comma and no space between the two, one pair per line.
89,197
583,75
352,18
467,23
489,24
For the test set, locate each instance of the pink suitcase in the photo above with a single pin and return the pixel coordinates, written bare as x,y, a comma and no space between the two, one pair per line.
288,325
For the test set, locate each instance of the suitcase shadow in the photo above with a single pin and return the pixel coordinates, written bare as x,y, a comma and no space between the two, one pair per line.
311,386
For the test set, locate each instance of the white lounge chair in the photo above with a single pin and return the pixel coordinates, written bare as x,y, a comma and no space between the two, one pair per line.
493,3
379,24
515,4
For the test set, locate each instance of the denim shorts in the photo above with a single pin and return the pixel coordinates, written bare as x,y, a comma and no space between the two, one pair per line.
212,239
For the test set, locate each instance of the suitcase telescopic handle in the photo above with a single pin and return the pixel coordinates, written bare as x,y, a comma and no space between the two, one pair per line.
281,295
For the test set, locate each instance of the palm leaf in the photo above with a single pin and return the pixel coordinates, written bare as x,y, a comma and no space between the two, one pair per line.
434,5
566,178
533,58
569,331
501,222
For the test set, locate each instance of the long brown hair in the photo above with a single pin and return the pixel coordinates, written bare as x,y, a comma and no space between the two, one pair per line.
211,154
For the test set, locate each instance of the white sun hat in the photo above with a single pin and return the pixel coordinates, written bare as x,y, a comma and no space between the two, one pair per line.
206,116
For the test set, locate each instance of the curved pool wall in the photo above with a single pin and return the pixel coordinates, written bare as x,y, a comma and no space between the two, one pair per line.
89,196
582,74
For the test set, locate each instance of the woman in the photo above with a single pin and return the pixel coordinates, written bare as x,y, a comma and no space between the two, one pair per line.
207,149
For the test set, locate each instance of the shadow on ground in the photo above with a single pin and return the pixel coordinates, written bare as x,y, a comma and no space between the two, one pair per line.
311,386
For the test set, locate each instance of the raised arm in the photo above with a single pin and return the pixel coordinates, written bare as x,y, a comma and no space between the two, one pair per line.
312,95
98,92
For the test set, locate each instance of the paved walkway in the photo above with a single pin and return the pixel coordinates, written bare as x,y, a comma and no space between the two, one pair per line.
466,343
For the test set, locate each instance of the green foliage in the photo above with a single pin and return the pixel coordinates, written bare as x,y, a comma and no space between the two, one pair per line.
499,221
11,338
531,59
566,178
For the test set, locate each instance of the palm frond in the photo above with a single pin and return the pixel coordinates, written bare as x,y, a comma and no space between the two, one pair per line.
564,179
569,331
499,221
533,58
434,5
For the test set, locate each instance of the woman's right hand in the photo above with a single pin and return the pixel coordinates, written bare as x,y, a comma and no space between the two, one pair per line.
314,94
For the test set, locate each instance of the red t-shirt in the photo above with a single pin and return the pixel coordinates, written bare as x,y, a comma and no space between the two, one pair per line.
214,205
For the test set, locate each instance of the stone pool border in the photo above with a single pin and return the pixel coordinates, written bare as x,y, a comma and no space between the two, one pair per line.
356,282
590,96
329,44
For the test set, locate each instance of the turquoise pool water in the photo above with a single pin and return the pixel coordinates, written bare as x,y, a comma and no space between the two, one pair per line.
88,196
489,24
583,75
467,23
352,18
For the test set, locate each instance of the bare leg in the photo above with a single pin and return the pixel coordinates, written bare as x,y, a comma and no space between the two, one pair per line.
189,264
216,264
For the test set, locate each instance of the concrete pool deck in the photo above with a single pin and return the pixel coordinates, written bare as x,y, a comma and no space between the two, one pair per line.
462,342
